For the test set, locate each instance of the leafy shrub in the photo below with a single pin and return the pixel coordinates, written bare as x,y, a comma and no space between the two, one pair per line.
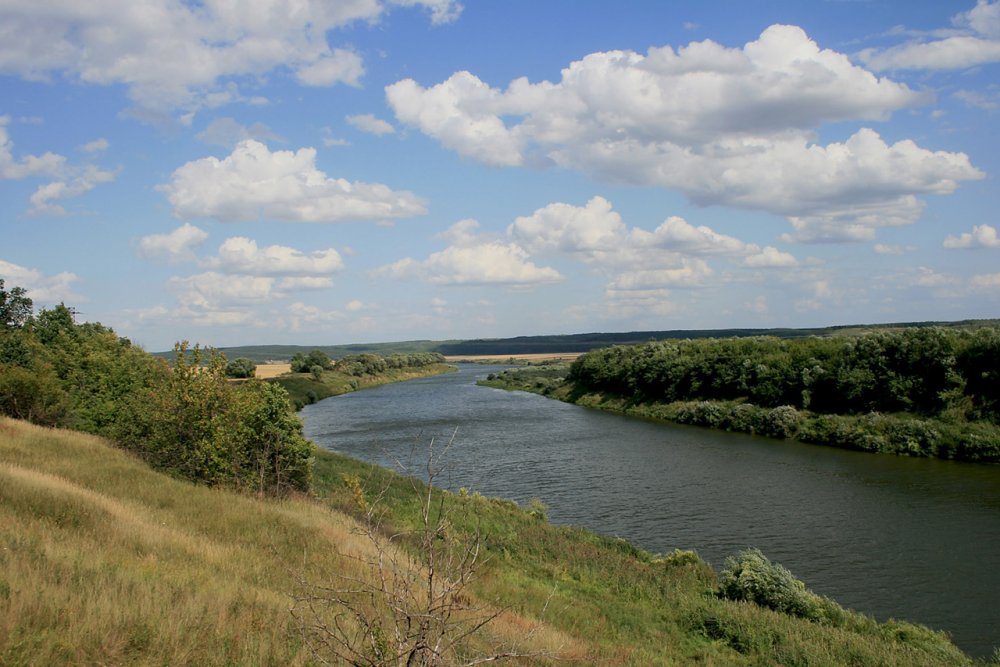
781,422
32,395
751,577
680,557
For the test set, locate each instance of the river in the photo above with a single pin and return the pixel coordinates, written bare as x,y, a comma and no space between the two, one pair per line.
911,539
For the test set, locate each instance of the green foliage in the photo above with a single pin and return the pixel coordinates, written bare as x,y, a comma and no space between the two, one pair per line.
241,368
199,426
15,307
303,363
188,419
751,577
924,371
32,395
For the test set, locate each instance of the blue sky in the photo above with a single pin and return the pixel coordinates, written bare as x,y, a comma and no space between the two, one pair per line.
375,170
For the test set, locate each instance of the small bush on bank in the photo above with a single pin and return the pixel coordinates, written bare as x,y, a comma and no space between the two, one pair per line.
751,577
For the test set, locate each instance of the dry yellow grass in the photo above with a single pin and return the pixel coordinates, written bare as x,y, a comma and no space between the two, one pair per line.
266,371
103,561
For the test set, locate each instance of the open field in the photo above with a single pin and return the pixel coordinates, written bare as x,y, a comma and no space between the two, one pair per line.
267,371
502,358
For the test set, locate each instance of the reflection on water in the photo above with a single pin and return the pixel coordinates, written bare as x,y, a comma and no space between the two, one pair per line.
894,537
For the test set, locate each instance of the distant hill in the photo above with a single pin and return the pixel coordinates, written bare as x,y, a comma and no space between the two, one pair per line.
559,343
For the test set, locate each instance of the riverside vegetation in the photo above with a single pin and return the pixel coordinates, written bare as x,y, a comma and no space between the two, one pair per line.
926,391
104,560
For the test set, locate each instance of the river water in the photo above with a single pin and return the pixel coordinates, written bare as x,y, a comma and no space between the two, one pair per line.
893,537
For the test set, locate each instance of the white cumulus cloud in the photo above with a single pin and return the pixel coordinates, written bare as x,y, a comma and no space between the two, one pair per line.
12,167
724,126
177,246
370,124
178,55
85,179
494,263
41,289
977,42
239,254
981,236
255,183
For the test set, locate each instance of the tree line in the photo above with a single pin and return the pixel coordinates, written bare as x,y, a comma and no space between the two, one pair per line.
925,391
932,371
186,419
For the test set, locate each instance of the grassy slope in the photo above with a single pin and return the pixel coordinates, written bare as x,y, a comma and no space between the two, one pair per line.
103,561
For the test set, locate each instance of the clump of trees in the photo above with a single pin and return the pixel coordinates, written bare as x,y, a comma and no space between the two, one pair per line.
374,364
929,371
304,363
241,368
927,391
187,419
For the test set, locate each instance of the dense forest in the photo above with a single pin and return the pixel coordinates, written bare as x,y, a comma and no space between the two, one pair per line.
926,391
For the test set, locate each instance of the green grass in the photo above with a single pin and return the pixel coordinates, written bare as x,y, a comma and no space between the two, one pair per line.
103,561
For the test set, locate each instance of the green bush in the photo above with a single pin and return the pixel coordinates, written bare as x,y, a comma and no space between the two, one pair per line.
751,577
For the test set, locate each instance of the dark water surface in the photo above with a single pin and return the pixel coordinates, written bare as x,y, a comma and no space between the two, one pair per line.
912,539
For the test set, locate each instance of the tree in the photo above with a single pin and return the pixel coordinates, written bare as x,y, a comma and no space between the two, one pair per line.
241,368
15,307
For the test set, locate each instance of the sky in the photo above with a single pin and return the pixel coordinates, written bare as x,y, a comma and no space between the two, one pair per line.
322,172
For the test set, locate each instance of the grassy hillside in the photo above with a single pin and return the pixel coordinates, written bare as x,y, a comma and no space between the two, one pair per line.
103,561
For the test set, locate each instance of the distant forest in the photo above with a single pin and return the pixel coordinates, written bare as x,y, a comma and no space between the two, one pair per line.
583,342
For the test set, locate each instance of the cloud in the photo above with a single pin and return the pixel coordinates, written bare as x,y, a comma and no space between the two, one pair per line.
177,246
770,258
978,43
341,66
892,250
987,281
981,236
442,11
240,255
41,289
86,179
462,233
96,146
594,230
691,273
494,263
370,124
300,283
724,126
178,55
12,167
254,183
210,290
972,98
638,303
927,277
958,52
690,96
71,181
595,234
227,132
